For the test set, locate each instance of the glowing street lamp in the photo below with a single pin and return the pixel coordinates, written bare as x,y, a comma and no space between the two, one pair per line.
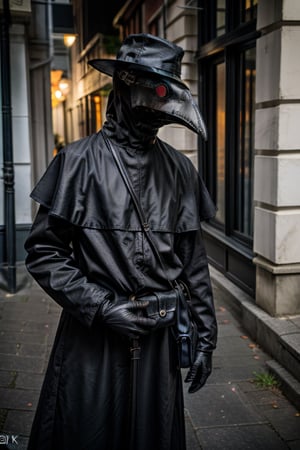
69,39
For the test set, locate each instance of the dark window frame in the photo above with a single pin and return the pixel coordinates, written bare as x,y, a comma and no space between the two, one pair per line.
238,38
240,149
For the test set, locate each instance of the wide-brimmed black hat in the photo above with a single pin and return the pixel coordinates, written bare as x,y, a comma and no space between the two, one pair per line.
147,53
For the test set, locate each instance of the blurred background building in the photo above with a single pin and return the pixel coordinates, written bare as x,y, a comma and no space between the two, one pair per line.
241,64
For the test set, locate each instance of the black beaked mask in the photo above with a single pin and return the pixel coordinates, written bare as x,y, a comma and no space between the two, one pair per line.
162,101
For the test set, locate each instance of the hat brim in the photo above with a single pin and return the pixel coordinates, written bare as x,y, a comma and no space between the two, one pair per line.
108,66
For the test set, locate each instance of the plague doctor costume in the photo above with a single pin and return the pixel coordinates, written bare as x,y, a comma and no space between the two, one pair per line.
87,250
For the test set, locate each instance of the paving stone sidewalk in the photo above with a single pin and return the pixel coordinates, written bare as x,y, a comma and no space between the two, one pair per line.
230,413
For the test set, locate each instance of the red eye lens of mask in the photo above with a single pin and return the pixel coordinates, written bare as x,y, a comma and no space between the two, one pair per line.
161,90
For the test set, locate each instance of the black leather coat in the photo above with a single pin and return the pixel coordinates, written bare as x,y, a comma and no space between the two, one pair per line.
86,242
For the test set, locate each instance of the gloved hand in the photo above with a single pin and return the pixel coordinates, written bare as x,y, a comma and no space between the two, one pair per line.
199,371
126,318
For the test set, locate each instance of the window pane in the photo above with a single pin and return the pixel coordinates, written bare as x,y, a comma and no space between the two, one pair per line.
221,18
244,210
249,10
220,141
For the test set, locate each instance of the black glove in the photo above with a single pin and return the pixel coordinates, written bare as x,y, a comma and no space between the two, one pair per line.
126,318
199,371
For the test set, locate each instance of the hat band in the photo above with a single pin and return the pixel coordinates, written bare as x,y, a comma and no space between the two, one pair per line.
156,65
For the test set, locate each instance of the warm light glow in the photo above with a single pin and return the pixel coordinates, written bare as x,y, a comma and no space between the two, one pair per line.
58,94
64,86
60,87
69,39
97,102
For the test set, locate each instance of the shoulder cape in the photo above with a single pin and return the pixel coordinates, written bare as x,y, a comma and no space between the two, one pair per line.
83,186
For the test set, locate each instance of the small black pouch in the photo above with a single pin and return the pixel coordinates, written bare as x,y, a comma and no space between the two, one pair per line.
162,307
172,309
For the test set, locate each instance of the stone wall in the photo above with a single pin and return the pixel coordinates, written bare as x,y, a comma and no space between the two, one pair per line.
277,158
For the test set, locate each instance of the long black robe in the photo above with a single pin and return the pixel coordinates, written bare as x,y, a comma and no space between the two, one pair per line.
86,243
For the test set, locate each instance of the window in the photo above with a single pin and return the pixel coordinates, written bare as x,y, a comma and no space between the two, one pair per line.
216,11
134,24
248,10
220,141
243,221
227,67
220,17
97,109
232,140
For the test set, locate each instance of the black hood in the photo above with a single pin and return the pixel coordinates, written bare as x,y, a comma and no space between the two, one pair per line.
123,123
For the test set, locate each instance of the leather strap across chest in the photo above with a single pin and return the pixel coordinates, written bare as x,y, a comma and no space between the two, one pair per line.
140,212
